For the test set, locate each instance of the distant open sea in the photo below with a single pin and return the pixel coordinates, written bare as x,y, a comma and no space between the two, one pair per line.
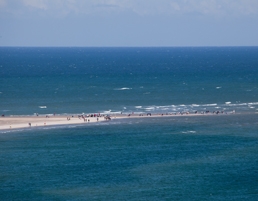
211,157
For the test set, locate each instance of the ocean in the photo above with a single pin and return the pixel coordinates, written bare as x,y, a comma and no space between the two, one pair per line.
212,157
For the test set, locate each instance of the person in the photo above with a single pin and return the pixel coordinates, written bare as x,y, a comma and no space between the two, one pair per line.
30,124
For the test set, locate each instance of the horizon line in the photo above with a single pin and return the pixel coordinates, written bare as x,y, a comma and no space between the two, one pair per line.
201,46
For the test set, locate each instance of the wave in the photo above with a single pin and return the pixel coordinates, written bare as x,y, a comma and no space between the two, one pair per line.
188,132
226,106
149,108
5,110
124,88
42,107
255,103
195,105
138,106
214,104
242,104
107,111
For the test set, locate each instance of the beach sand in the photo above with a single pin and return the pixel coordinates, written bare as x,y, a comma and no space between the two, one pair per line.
16,122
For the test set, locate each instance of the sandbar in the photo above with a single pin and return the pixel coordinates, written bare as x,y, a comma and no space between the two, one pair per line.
18,121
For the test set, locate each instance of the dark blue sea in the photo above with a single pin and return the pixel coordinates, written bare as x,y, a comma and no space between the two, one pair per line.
213,157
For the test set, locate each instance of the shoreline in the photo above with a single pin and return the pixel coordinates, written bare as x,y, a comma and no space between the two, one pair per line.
17,122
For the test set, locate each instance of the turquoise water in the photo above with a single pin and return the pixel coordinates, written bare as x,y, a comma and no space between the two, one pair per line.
172,158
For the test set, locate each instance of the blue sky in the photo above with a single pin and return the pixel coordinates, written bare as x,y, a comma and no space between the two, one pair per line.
101,23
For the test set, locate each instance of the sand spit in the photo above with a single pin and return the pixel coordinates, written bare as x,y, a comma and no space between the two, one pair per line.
16,122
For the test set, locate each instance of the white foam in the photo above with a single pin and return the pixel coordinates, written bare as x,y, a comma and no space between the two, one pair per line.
43,107
255,103
195,105
188,132
218,87
105,112
149,108
124,88
241,104
138,106
118,112
228,102
214,104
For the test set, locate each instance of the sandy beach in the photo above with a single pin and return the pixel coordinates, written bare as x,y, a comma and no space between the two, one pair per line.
16,122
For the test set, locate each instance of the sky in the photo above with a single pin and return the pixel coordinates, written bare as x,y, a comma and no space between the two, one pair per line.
128,23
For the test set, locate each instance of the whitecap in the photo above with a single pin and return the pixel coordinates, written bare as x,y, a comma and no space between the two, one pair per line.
149,108
165,106
124,88
240,104
188,132
138,106
117,112
192,131
195,105
105,112
214,104
218,87
227,102
43,107
255,103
